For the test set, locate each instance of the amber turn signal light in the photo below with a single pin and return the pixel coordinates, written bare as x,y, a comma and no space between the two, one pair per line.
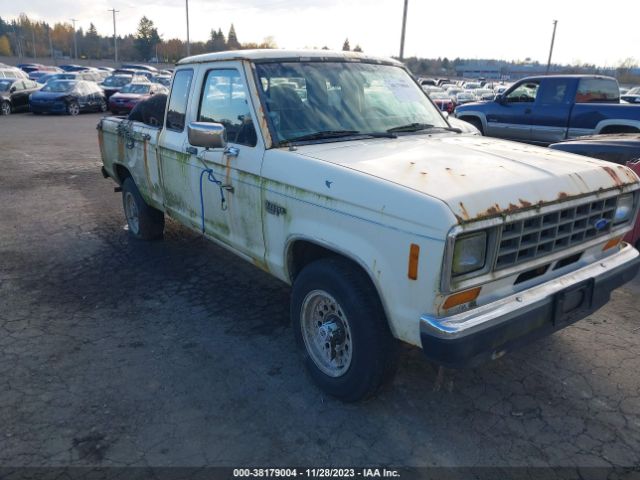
611,243
414,255
461,297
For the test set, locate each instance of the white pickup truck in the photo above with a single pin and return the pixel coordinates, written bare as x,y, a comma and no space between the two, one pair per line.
335,173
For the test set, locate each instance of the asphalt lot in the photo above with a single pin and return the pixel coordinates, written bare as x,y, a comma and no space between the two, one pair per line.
117,352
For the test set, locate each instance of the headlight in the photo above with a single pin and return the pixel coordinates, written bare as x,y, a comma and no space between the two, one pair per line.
469,253
624,210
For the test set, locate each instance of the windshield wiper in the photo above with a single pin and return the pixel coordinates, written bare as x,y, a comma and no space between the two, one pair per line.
418,127
337,134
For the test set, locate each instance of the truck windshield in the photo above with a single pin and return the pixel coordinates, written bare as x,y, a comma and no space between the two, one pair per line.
305,99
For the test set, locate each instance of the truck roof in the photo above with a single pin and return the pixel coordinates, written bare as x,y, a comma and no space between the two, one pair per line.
570,75
275,55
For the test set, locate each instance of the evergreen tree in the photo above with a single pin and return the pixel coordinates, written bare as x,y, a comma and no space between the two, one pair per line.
146,38
345,46
92,41
357,49
232,39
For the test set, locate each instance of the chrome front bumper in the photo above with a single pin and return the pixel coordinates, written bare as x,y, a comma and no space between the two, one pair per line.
491,330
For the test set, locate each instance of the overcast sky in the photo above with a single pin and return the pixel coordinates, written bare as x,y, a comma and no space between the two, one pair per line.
604,34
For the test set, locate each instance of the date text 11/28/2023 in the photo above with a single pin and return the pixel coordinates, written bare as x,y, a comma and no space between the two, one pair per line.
315,473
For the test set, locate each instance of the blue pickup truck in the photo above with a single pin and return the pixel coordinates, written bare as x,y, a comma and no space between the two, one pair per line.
549,109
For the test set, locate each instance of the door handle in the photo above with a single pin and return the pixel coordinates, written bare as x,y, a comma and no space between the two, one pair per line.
232,151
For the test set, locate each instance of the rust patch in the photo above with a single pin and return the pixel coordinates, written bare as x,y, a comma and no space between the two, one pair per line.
120,149
465,214
562,195
524,203
512,208
423,173
146,163
101,142
612,173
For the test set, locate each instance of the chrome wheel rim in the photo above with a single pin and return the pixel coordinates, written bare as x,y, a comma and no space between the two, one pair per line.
326,333
74,109
103,106
6,108
131,212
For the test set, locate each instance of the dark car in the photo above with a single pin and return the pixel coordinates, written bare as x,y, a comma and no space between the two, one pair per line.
623,149
115,82
68,96
632,96
73,68
131,94
138,66
14,94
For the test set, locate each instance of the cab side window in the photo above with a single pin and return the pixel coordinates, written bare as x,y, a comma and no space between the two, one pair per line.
224,100
554,91
177,109
523,93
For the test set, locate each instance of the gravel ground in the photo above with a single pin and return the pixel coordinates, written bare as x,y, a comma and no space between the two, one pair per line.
115,352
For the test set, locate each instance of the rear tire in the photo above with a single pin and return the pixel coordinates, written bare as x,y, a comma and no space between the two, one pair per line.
341,330
73,109
103,106
144,221
5,108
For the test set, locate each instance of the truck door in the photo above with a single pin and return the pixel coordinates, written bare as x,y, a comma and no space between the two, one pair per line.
181,195
511,115
224,98
550,112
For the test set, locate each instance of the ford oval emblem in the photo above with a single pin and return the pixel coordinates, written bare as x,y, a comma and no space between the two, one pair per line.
600,224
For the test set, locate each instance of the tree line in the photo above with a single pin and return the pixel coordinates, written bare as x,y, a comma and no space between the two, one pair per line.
24,37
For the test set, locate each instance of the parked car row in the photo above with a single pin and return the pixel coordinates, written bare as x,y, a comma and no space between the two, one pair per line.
73,89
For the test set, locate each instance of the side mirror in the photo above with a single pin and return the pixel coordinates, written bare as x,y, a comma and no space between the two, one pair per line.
499,99
445,114
207,135
12,89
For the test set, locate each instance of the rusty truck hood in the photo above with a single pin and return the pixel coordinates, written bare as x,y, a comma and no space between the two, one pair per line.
478,177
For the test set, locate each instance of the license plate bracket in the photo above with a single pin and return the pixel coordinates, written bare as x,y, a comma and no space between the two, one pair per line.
573,302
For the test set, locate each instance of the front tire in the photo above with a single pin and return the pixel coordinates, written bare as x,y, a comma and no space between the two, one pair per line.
144,221
103,106
341,330
5,108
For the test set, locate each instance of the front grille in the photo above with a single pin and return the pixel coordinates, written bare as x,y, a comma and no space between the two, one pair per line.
525,240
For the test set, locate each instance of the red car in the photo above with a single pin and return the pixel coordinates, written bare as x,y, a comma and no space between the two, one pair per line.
443,101
132,93
633,237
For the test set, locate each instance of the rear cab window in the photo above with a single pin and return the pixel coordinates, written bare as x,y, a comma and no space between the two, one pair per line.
598,90
178,100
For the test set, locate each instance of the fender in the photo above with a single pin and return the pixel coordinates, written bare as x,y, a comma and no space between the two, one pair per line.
477,114
613,122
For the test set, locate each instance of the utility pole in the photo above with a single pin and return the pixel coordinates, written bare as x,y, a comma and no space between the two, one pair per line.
75,39
50,44
115,39
553,39
33,42
188,44
404,28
